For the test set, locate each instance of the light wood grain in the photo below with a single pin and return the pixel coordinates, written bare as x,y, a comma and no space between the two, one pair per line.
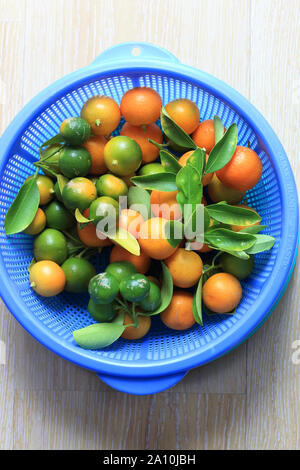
11,101
247,399
273,380
92,420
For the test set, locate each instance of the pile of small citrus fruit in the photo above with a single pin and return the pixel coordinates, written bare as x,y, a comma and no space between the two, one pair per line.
168,166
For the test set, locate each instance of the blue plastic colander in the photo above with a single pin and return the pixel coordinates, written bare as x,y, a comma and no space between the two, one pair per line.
164,356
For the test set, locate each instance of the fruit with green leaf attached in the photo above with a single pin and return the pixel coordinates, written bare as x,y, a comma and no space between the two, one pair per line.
185,113
38,224
222,293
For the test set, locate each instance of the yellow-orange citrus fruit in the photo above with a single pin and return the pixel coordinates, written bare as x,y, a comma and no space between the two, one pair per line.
47,278
243,171
185,267
179,314
222,292
153,240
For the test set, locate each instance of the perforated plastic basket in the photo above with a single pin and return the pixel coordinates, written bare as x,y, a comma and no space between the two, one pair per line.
164,356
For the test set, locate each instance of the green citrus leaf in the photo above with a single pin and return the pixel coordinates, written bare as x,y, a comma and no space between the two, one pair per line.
157,145
98,335
197,160
253,229
158,181
169,162
125,240
219,129
189,186
81,219
194,222
57,139
237,254
232,215
197,303
61,181
174,232
206,219
139,200
228,240
32,263
223,151
22,211
262,243
166,290
174,132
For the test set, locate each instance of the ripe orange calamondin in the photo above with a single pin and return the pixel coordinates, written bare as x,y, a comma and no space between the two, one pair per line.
119,194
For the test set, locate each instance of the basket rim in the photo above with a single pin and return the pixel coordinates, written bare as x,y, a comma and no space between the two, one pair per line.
258,311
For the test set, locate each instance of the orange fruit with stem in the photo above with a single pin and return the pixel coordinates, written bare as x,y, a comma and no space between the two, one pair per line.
179,314
142,134
141,106
102,113
47,278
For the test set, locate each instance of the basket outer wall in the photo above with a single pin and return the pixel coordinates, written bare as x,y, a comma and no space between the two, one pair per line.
118,59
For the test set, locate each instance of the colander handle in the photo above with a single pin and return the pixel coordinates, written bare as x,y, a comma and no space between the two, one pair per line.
134,51
144,385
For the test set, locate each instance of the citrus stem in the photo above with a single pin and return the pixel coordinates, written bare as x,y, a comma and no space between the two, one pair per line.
211,267
72,238
216,257
123,305
98,122
131,313
82,252
43,159
134,316
32,284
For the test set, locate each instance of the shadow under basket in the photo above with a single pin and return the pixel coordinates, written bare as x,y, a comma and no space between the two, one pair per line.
164,356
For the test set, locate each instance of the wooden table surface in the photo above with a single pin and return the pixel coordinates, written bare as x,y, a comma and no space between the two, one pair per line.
249,399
